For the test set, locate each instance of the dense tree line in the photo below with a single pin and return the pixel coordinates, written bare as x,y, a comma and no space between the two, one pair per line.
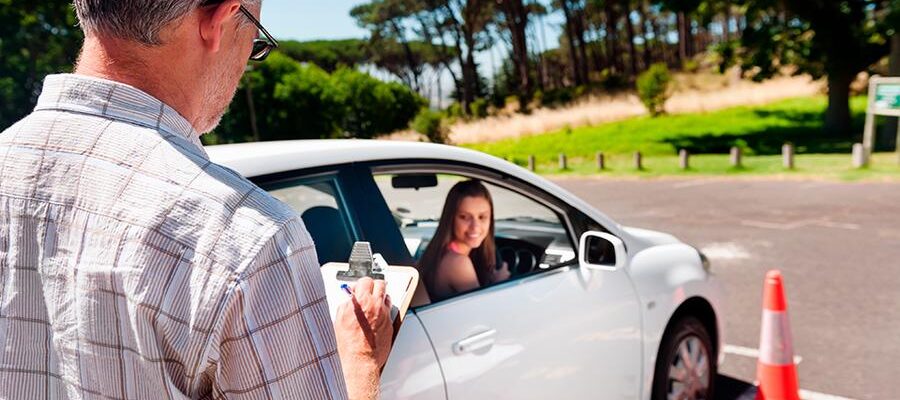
317,86
284,99
279,99
610,42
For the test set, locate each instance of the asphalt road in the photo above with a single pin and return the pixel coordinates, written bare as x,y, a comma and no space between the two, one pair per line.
838,245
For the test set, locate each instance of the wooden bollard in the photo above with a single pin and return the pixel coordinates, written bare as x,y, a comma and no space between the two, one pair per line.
638,161
601,161
859,156
563,163
531,164
736,157
787,155
684,159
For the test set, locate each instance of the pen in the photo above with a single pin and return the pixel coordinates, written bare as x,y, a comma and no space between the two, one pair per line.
346,289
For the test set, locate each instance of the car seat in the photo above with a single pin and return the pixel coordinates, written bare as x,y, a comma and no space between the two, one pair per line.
329,233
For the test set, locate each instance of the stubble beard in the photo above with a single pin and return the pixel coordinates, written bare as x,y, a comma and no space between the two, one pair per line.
221,87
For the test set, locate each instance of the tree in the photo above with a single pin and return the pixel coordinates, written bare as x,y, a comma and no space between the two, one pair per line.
629,29
372,107
37,38
515,19
823,38
328,54
573,11
384,18
472,17
452,28
303,101
683,10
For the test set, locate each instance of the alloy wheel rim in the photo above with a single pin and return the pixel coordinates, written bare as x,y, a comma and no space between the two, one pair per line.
689,374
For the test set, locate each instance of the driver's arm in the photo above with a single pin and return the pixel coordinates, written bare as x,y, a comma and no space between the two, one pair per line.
459,272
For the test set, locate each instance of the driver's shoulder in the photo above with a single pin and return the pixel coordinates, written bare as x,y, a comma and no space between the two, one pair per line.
453,261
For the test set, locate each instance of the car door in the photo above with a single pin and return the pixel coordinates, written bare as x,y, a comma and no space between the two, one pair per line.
549,332
338,209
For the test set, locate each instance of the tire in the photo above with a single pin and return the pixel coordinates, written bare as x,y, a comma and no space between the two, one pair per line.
673,378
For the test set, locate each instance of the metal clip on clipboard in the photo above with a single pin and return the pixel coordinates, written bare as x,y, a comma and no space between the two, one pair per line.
362,264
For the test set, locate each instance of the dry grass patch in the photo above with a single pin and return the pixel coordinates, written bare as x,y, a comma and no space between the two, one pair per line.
693,94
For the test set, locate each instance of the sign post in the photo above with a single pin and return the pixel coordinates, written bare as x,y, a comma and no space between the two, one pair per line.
884,99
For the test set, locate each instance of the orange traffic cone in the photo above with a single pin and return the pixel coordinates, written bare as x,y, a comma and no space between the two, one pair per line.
776,371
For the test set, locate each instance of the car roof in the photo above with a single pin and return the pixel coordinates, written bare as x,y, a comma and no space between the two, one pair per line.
263,158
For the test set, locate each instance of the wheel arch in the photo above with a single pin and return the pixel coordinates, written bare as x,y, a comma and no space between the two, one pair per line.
701,309
703,312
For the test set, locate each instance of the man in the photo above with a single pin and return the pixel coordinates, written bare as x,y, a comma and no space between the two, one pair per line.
131,266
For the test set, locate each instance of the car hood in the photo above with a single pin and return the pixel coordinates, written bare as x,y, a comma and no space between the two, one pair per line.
645,238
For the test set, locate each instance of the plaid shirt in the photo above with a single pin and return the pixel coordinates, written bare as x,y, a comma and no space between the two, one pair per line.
132,267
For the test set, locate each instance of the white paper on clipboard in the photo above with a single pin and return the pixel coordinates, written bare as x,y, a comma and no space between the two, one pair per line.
400,283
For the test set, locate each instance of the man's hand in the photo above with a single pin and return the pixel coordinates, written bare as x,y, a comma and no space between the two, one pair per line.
364,330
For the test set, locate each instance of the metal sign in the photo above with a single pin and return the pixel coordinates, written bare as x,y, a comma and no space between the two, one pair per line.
884,99
887,96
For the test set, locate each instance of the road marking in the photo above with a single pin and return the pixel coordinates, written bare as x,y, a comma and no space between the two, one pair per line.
751,353
725,251
799,224
690,184
810,395
750,394
829,224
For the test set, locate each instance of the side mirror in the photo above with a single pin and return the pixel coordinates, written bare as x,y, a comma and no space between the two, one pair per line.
602,251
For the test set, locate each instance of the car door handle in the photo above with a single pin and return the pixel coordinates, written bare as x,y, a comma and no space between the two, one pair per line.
475,342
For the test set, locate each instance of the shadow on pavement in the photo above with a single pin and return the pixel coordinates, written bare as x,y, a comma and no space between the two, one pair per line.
728,388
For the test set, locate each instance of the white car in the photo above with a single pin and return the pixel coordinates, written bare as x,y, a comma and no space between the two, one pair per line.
592,310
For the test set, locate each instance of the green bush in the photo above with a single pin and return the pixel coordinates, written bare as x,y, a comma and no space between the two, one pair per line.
479,108
612,81
307,106
455,110
558,96
372,107
653,88
431,124
538,97
302,101
690,66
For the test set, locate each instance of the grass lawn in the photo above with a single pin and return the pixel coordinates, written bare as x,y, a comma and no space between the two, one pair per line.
759,130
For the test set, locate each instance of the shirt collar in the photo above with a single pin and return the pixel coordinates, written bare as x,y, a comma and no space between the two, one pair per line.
117,101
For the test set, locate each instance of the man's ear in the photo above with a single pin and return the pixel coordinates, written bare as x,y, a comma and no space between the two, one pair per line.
213,20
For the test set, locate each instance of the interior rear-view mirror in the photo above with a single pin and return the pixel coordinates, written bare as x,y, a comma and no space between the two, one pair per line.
414,181
600,250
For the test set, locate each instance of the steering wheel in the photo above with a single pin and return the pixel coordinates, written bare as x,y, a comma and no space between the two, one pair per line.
519,260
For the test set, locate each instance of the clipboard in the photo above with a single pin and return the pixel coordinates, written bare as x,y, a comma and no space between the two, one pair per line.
400,283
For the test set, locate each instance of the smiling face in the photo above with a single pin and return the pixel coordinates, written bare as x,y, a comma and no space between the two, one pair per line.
472,222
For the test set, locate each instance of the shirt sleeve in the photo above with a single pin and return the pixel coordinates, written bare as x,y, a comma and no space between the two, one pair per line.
277,338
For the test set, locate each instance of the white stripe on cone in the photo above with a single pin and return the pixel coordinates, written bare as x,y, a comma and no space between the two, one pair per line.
775,348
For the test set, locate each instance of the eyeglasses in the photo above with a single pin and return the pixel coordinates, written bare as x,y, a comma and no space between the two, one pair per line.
261,46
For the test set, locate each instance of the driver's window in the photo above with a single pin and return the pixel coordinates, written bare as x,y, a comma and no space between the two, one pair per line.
529,236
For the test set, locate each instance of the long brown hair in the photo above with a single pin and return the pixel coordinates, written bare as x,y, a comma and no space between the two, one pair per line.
483,257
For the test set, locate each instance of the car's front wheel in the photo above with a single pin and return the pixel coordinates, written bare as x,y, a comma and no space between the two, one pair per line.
686,366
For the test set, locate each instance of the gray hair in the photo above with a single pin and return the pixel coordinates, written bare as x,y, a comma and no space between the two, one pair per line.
137,20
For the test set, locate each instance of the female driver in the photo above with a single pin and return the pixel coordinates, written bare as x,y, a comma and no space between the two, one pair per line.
460,256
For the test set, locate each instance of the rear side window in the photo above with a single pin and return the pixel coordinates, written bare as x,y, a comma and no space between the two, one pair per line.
320,204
